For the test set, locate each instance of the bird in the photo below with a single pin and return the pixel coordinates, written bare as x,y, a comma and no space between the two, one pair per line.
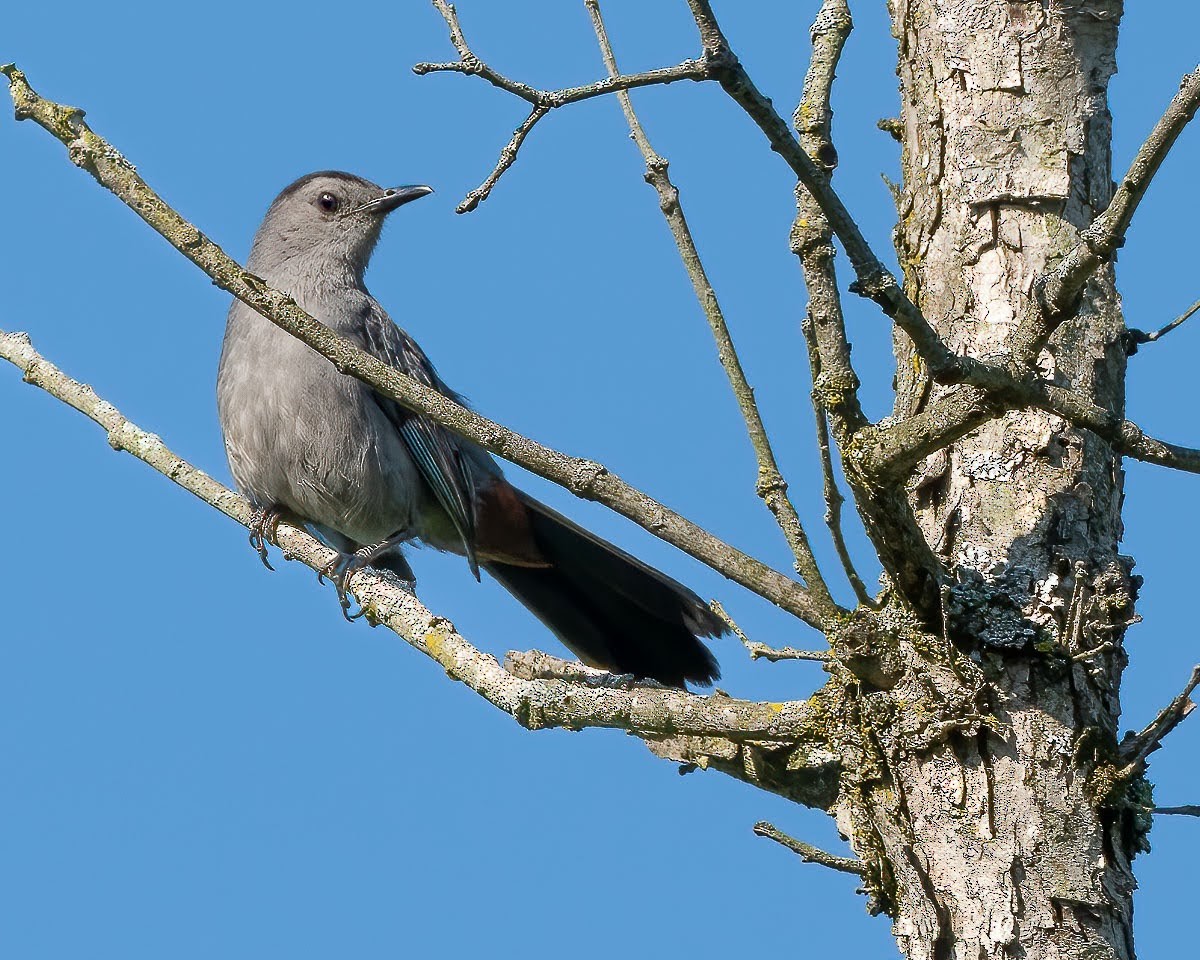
368,475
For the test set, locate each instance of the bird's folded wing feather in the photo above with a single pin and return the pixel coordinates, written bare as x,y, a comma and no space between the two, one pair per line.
437,453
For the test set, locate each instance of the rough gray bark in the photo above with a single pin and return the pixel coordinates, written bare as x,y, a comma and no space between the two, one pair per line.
1003,843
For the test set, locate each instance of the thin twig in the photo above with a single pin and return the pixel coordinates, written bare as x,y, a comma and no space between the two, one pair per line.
1137,337
543,101
807,852
508,157
771,486
469,63
1189,810
1135,747
760,651
584,478
1178,321
873,280
833,496
536,704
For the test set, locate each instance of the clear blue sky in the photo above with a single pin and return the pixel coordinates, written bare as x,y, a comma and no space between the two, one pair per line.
202,759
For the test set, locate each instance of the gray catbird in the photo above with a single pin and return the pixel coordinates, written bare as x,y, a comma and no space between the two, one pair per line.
367,474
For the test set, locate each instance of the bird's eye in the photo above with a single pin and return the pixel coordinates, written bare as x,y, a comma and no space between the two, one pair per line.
327,202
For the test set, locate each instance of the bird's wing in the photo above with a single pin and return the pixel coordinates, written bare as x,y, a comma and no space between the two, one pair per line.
437,453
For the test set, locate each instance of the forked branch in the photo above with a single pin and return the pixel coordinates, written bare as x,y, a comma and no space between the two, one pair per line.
542,101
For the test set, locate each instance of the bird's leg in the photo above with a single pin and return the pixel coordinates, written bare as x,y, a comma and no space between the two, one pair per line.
264,529
344,566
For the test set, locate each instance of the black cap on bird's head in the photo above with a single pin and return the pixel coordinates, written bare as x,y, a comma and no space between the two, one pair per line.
331,215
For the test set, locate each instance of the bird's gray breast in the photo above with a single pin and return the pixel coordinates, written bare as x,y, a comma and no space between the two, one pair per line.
303,436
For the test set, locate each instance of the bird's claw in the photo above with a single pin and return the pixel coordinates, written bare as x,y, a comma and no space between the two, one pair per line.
330,569
264,529
339,571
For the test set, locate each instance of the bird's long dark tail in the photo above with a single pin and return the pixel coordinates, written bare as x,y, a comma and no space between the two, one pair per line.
609,608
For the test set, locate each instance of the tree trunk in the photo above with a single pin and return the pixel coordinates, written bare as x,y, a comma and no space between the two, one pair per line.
1007,833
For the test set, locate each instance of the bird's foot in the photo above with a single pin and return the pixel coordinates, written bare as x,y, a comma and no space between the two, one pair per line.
264,529
339,571
343,567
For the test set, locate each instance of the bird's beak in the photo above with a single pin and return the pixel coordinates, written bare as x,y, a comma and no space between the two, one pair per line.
393,198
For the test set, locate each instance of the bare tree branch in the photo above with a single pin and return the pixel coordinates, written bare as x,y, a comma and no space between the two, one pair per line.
584,478
1125,436
538,665
643,710
835,384
1188,810
469,63
543,101
1057,291
508,156
807,852
887,451
831,493
771,486
1136,747
760,651
1135,338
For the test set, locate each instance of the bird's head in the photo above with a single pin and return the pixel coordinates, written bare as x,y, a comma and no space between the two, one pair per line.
328,219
